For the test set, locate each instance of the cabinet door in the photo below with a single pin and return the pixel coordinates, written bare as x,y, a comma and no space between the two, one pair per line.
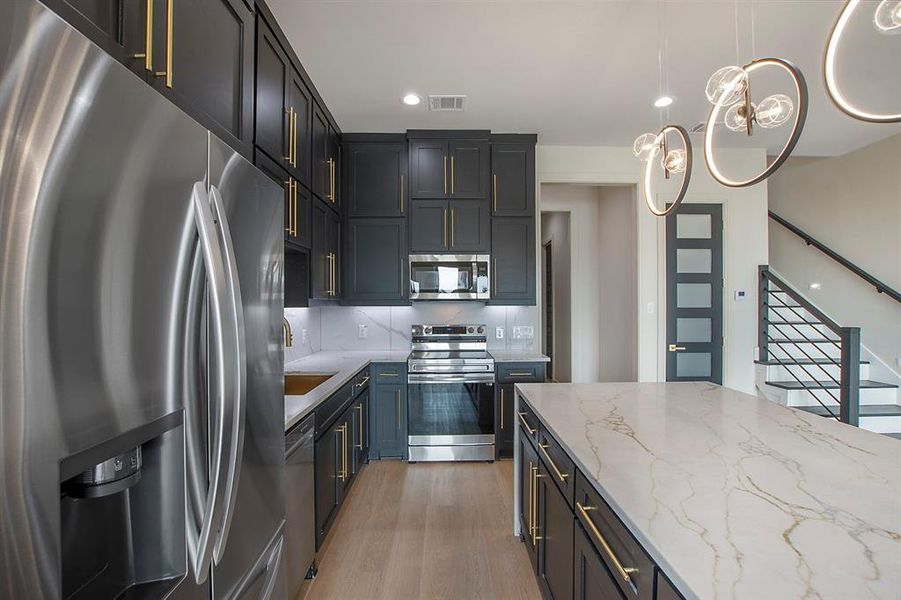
376,260
320,267
206,64
334,160
273,122
469,166
327,454
300,101
428,226
513,260
506,423
591,579
528,494
555,538
319,154
428,169
513,180
470,226
375,177
391,420
334,247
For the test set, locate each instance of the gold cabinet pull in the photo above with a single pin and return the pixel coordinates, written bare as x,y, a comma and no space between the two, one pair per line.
397,395
289,229
444,232
561,476
388,375
331,180
452,175
494,190
147,54
290,112
520,374
452,226
401,194
360,408
293,137
624,572
445,174
534,502
522,417
296,212
502,408
531,486
170,26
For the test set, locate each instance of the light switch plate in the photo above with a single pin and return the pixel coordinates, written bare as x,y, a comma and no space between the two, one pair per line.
499,333
740,294
523,332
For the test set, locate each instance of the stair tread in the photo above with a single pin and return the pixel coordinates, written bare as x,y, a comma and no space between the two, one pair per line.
803,341
787,362
828,385
866,410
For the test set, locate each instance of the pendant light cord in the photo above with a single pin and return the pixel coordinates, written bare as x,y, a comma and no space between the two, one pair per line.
753,34
735,27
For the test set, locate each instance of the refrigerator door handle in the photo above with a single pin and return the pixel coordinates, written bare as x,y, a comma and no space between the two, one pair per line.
200,544
237,370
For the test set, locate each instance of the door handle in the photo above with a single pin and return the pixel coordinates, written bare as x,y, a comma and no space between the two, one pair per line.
444,232
296,213
293,137
170,22
624,572
238,372
494,190
445,174
401,194
147,54
675,348
452,175
452,225
290,189
360,408
502,408
290,157
561,476
522,417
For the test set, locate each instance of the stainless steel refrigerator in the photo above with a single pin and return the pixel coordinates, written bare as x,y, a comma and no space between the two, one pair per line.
141,416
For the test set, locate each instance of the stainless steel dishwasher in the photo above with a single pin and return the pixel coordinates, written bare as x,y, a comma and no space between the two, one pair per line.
300,526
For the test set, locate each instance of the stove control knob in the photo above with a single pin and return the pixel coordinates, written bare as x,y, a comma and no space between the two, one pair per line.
427,330
471,329
481,329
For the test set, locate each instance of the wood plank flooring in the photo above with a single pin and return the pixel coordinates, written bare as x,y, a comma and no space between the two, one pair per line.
427,530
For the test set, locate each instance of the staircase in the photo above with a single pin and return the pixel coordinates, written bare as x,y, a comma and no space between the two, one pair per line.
811,363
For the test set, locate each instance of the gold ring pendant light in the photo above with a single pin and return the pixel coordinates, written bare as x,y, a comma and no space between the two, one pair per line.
729,90
648,146
886,20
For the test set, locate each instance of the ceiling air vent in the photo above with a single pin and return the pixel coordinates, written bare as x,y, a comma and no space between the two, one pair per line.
701,127
446,103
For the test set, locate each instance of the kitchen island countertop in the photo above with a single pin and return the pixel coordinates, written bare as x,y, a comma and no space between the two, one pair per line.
734,496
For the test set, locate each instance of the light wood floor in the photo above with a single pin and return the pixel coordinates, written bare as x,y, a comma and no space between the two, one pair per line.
427,530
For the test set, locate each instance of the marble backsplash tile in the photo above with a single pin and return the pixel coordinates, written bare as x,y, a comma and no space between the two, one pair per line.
309,319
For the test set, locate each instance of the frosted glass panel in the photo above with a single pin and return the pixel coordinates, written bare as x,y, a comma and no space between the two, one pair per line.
692,330
692,295
693,364
693,260
693,226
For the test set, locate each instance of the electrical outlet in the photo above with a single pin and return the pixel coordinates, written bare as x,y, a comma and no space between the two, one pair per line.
523,332
650,308
499,333
304,337
363,331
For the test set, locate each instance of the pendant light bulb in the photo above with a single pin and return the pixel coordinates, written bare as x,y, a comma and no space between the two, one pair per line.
726,86
736,119
774,111
674,161
887,18
645,145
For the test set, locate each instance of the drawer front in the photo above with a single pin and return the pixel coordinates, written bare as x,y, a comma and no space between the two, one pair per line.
360,381
616,546
390,373
520,372
591,578
559,466
528,422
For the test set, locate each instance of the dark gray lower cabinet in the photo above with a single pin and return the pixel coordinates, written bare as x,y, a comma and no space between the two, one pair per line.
554,529
361,432
389,420
513,260
528,466
505,424
376,261
327,454
591,579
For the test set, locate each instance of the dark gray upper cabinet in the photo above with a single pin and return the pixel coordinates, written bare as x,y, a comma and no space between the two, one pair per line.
428,169
513,179
206,66
375,177
469,229
513,260
468,169
321,171
376,261
334,174
428,226
272,120
325,257
297,201
300,104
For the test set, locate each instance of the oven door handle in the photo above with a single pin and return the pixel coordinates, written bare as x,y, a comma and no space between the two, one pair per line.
450,378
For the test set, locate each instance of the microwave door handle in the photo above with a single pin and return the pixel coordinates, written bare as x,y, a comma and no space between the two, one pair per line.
200,543
238,372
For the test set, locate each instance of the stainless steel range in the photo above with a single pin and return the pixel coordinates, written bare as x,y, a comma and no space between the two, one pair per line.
451,394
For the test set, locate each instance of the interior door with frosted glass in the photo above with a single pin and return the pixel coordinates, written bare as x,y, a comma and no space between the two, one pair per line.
694,293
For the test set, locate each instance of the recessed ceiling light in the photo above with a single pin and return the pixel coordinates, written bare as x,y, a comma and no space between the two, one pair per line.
411,99
663,101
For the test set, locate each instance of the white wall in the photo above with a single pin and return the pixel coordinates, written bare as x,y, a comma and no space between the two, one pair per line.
745,247
851,203
555,228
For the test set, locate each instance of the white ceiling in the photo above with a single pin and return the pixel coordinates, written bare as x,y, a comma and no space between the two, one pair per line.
577,73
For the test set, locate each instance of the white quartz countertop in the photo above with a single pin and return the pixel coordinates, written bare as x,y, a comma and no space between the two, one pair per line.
518,356
343,363
734,496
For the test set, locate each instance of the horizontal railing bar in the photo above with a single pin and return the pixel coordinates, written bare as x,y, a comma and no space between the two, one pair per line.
810,391
805,304
810,358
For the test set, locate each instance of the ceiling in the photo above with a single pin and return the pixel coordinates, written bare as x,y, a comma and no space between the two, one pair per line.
579,73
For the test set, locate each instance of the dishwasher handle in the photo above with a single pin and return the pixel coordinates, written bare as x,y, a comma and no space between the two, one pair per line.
299,437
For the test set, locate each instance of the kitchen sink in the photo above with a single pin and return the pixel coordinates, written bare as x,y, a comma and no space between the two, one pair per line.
297,385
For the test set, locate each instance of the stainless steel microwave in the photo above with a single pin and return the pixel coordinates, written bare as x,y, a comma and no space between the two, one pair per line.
449,277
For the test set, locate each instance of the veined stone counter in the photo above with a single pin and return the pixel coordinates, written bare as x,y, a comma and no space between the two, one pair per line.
734,496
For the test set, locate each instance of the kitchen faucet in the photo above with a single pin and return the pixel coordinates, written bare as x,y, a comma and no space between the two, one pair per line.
288,334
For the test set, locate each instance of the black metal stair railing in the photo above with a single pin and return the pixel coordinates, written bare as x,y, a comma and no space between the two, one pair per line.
800,351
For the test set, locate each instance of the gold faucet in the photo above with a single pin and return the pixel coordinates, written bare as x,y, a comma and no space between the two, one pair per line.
289,335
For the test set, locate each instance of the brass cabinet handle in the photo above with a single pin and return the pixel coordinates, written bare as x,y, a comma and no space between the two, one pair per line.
360,408
520,373
453,210
502,408
494,190
289,189
346,470
296,212
675,348
388,375
331,179
294,138
170,26
290,112
445,174
452,175
522,417
624,572
401,194
531,486
533,501
397,395
342,430
147,54
444,232
561,476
